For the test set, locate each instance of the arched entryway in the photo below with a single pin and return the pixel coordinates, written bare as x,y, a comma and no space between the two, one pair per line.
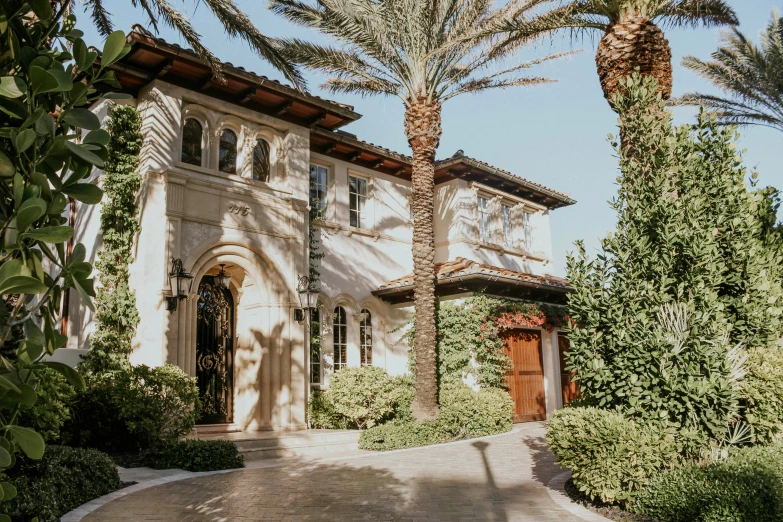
215,335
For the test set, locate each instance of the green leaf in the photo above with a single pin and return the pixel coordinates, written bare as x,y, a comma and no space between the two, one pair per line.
82,118
80,54
12,86
24,139
113,48
99,136
85,292
42,81
71,375
31,442
27,397
64,80
117,96
30,210
22,285
56,234
5,458
84,154
41,8
8,385
9,491
84,192
7,168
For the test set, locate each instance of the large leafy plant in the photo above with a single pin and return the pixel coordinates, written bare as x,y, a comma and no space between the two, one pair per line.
49,144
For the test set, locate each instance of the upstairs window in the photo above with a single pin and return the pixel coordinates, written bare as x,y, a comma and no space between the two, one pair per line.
507,230
365,338
261,161
528,231
483,219
227,157
319,178
340,331
315,346
357,195
192,133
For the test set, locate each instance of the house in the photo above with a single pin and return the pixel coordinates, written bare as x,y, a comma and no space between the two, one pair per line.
232,172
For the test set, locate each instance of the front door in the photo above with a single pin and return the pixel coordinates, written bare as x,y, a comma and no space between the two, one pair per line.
525,381
215,352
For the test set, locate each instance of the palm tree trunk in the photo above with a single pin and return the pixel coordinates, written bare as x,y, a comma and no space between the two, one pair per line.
423,130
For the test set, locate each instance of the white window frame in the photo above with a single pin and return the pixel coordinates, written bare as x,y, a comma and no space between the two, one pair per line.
508,227
319,359
362,212
483,217
528,229
339,362
365,323
324,208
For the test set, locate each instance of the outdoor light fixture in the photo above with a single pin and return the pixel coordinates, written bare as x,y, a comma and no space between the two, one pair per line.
308,298
223,278
180,283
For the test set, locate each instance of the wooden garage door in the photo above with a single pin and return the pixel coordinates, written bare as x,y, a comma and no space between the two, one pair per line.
526,380
570,388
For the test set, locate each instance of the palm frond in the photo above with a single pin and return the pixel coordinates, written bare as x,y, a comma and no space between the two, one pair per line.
100,16
709,13
483,84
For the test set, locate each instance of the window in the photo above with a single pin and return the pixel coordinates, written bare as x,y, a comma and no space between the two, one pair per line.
192,133
261,160
483,219
357,194
340,331
227,157
365,338
528,231
315,346
319,178
507,230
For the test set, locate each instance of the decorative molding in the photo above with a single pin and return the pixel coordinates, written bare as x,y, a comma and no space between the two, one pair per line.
476,187
175,197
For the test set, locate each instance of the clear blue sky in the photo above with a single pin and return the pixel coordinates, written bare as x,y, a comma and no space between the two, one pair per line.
555,134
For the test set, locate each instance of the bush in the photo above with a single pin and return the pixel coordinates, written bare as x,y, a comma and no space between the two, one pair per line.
611,457
62,480
746,487
406,389
132,410
322,415
52,407
195,455
364,395
464,413
762,394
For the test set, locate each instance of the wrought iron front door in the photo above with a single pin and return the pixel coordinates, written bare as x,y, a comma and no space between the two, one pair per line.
215,352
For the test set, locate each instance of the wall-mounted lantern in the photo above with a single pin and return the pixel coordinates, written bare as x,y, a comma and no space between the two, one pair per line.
223,278
180,283
308,298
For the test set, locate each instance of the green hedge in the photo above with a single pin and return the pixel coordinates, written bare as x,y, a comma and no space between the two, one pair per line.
464,413
52,407
611,457
762,394
195,455
746,487
363,395
62,480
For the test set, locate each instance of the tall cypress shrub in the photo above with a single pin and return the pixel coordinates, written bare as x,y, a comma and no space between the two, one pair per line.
116,315
691,272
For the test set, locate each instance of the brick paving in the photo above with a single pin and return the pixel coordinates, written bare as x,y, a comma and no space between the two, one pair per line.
495,479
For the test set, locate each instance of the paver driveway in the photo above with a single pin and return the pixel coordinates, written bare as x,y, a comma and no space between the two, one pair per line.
499,479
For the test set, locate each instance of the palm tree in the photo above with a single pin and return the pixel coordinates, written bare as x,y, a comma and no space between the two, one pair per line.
631,38
751,75
424,52
234,22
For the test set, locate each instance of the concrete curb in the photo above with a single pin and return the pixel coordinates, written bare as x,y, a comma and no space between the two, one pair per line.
556,490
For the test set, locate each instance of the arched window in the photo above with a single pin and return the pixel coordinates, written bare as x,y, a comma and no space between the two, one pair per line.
227,158
261,160
365,337
192,132
315,346
340,331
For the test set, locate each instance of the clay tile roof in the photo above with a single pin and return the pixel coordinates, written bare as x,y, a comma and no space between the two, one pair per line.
463,267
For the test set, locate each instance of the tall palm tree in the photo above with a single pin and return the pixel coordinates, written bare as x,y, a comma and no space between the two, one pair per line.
751,75
424,52
235,23
631,37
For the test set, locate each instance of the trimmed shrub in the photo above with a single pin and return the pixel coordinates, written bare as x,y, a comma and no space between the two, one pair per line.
132,410
322,415
406,389
364,395
63,479
52,407
611,457
762,394
464,413
195,455
746,487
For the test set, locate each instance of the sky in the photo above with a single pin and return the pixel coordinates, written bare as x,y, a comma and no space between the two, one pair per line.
555,134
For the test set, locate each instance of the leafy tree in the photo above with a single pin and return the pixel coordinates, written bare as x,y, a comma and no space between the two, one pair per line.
424,52
685,282
43,91
116,316
750,74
